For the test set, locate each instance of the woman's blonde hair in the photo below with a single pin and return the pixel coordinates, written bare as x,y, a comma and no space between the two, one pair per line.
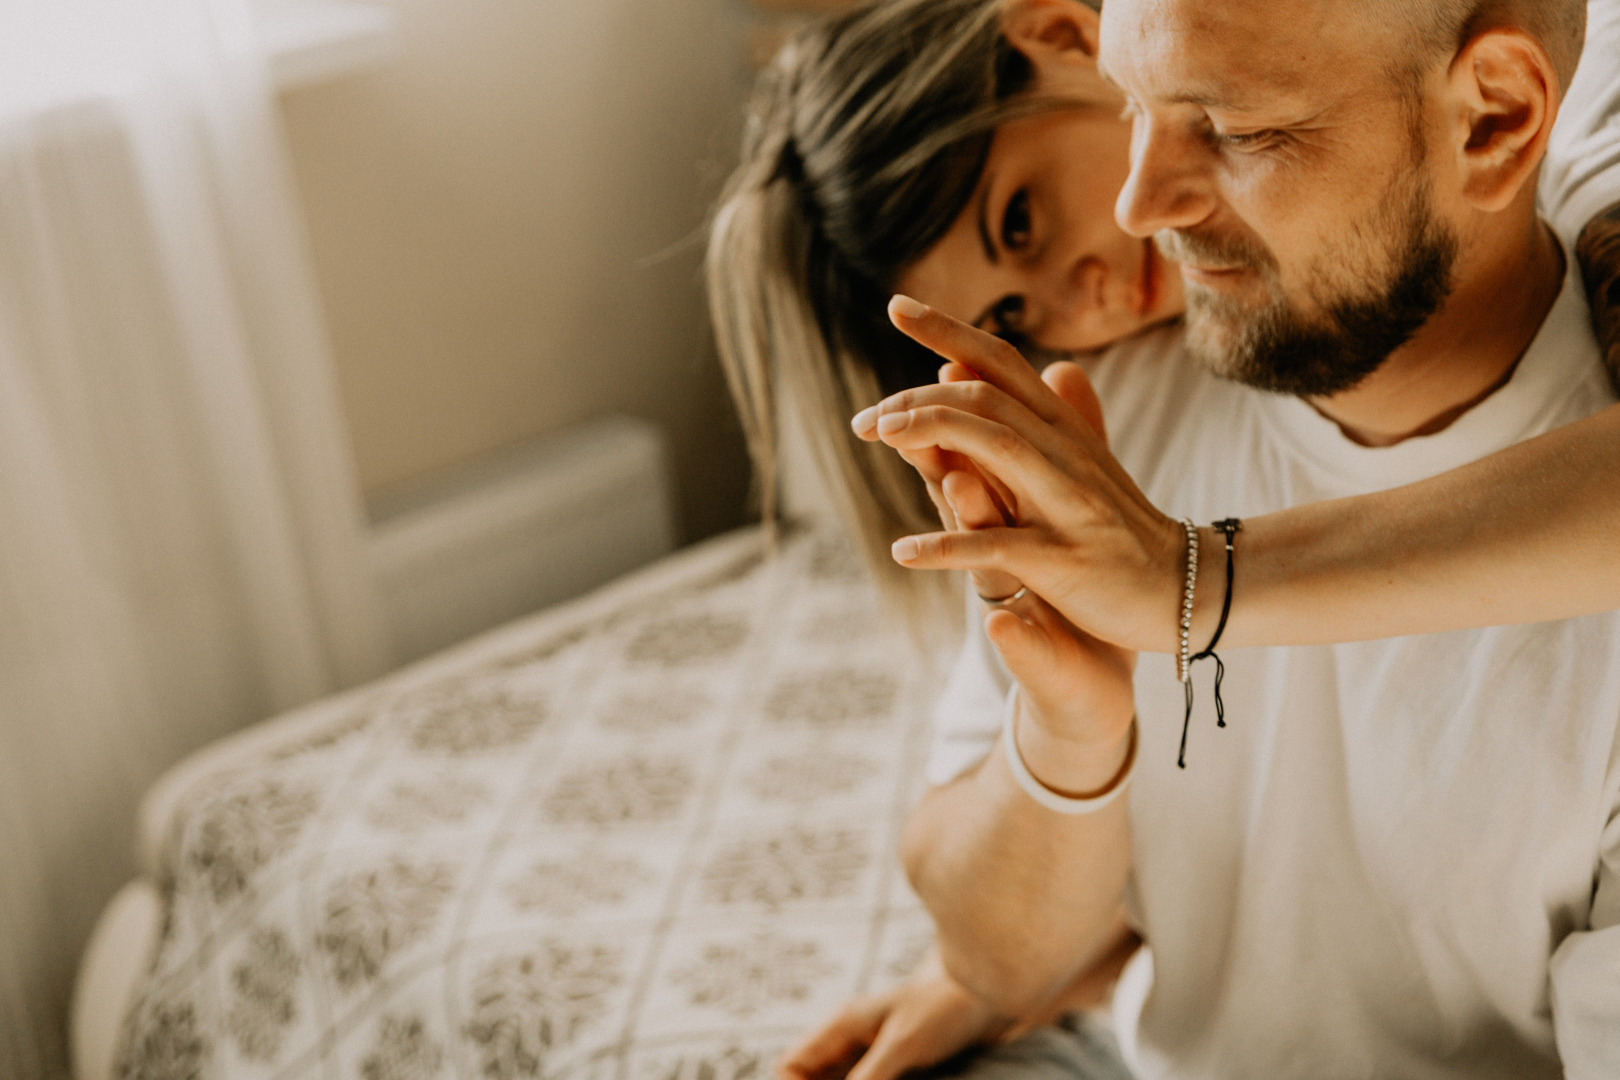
865,138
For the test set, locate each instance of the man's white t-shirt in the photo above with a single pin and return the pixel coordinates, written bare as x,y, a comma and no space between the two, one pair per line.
1400,858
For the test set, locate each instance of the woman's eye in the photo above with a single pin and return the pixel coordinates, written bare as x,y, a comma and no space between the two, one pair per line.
1008,316
1015,225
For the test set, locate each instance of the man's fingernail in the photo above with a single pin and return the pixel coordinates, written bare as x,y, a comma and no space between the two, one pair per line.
905,549
864,419
889,423
906,307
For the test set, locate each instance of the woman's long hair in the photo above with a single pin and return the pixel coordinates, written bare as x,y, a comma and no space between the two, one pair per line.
865,139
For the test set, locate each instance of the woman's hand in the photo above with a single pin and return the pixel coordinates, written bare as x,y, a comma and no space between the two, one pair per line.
1083,536
922,1022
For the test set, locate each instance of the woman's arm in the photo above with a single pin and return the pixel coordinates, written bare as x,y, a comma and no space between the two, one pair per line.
1520,536
1524,535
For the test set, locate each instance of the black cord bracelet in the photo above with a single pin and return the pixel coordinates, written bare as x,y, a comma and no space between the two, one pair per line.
1229,527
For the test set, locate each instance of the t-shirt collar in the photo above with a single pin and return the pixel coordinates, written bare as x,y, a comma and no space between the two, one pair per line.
1555,364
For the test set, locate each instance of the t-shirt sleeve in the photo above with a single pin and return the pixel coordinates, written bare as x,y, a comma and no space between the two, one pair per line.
1585,974
967,717
1581,175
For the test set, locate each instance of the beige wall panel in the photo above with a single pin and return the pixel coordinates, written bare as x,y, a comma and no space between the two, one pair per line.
488,215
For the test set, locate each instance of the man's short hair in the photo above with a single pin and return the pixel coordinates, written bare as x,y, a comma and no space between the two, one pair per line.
1436,29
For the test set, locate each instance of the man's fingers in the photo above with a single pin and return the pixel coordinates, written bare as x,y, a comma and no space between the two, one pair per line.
832,1047
887,1057
973,507
971,501
1069,381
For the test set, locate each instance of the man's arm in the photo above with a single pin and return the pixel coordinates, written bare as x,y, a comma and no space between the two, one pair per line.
1024,898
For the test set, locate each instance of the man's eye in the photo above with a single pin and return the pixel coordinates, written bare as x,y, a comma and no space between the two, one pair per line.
1247,140
1007,316
1015,225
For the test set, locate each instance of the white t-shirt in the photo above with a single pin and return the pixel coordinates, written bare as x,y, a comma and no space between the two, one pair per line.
1401,858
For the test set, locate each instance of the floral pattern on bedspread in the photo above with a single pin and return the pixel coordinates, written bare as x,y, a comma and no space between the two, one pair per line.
655,846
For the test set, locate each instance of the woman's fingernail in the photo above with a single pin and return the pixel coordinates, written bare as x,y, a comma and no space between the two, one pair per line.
905,549
864,419
889,423
906,307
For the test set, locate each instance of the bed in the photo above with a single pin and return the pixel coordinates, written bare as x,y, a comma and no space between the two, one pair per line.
649,835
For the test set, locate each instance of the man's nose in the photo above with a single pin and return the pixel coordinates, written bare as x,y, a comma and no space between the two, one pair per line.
1168,187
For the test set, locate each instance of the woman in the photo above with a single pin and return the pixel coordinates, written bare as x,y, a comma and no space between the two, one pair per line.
865,151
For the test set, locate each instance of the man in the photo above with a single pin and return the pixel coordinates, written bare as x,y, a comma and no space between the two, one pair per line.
1399,858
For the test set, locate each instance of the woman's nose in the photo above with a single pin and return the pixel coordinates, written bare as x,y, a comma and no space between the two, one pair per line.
1071,295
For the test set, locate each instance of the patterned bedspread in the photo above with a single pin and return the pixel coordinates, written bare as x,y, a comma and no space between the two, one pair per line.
647,837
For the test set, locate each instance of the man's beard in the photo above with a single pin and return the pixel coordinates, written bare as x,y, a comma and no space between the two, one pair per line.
1358,321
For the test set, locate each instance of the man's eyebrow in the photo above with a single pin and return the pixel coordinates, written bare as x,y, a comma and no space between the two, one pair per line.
1216,97
984,224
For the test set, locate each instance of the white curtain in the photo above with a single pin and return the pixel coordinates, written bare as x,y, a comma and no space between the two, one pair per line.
180,529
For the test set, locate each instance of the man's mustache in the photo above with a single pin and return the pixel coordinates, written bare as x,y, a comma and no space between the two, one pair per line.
1212,252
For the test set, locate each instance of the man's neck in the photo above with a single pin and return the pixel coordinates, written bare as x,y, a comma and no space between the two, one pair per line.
1464,353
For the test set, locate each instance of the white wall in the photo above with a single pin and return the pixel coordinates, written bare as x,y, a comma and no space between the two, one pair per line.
487,214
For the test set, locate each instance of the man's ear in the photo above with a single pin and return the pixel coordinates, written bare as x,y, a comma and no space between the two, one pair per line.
1047,31
1507,91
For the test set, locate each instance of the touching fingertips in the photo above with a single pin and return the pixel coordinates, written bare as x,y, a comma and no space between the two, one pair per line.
864,420
890,423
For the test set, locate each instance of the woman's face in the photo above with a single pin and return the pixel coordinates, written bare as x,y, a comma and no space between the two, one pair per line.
1036,252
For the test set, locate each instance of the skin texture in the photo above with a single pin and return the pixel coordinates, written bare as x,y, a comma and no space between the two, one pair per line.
1278,160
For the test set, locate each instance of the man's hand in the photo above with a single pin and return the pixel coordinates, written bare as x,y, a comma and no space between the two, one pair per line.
1598,252
1085,538
1077,690
922,1022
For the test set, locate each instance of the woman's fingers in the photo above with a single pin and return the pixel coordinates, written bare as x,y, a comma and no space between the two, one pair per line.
1011,551
1023,469
987,356
973,396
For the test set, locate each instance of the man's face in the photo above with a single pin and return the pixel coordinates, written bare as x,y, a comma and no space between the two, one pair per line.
1274,155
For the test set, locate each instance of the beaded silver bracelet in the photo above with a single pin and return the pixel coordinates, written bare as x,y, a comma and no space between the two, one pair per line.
1184,657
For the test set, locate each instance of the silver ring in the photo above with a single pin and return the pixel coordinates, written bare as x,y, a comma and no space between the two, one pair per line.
1023,591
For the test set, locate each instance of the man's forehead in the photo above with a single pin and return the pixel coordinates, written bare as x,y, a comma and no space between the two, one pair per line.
1236,54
